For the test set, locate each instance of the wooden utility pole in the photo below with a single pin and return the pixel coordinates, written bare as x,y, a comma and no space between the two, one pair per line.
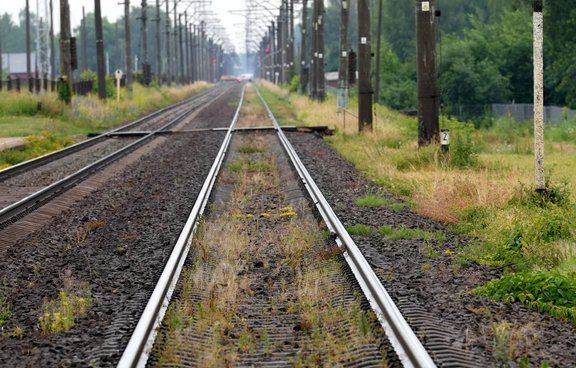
428,95
28,57
538,25
100,66
84,41
343,66
304,69
145,63
65,67
168,56
158,46
364,63
321,92
128,46
378,48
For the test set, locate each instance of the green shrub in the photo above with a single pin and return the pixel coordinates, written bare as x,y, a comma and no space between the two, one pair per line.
549,292
295,83
463,153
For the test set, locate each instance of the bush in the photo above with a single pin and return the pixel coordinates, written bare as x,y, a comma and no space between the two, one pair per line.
463,153
295,83
549,292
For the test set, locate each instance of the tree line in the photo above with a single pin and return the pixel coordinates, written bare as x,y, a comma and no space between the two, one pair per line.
484,52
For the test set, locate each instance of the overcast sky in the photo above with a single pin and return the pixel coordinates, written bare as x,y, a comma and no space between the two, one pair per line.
113,11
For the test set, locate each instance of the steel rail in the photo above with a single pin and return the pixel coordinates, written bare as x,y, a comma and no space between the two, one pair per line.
20,208
138,349
50,157
408,347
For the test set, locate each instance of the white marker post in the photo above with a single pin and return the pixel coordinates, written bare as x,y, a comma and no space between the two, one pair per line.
538,25
118,74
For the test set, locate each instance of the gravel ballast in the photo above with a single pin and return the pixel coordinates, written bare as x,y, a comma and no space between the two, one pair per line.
113,246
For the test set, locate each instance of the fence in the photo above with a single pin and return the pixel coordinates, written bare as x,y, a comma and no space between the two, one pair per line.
523,112
518,112
41,85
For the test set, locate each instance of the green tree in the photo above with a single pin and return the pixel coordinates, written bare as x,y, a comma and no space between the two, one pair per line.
560,42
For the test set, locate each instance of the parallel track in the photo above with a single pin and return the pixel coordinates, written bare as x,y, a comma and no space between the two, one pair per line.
50,157
21,208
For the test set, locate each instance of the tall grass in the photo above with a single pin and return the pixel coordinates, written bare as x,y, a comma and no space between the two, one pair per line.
483,187
50,124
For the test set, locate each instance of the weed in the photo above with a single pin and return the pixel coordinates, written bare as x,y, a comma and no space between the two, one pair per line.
61,314
548,292
360,230
5,312
250,149
247,341
501,333
378,200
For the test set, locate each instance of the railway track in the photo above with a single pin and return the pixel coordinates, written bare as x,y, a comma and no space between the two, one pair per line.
29,185
274,335
270,278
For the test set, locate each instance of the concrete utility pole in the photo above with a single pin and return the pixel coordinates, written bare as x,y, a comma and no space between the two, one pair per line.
128,46
1,66
52,47
321,92
364,60
158,55
343,67
314,56
168,56
304,69
428,94
176,57
28,57
378,48
186,48
84,41
291,42
180,49
145,64
538,24
65,67
100,64
281,48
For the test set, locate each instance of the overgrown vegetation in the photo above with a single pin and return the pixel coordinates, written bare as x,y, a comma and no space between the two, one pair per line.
546,291
50,124
482,188
234,261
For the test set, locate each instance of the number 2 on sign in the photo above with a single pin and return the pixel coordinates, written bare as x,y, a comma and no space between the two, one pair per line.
425,6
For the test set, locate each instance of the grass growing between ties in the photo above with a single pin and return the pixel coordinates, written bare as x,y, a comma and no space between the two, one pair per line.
44,120
253,249
482,188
